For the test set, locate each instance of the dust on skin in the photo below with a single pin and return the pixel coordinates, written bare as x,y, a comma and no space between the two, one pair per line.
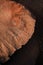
16,27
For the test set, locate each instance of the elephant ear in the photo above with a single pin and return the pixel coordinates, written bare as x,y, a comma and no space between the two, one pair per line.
16,28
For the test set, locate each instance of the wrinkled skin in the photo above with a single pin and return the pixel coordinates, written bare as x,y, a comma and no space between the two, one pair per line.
16,28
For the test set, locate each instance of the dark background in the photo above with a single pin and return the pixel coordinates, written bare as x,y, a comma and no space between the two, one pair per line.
32,52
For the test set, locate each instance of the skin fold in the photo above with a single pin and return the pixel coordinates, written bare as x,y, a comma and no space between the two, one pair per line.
16,28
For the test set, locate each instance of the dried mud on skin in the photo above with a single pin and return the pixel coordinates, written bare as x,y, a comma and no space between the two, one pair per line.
16,28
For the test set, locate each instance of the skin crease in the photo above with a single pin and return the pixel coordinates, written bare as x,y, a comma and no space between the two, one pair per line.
16,28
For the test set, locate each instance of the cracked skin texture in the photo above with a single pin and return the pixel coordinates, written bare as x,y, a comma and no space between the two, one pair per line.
16,28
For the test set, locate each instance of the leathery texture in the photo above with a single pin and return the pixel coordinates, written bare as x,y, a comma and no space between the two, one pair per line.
16,28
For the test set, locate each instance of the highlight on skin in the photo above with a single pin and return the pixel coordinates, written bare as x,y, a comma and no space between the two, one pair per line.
16,28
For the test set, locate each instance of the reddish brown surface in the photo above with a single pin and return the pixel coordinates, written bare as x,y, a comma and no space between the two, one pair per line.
16,27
